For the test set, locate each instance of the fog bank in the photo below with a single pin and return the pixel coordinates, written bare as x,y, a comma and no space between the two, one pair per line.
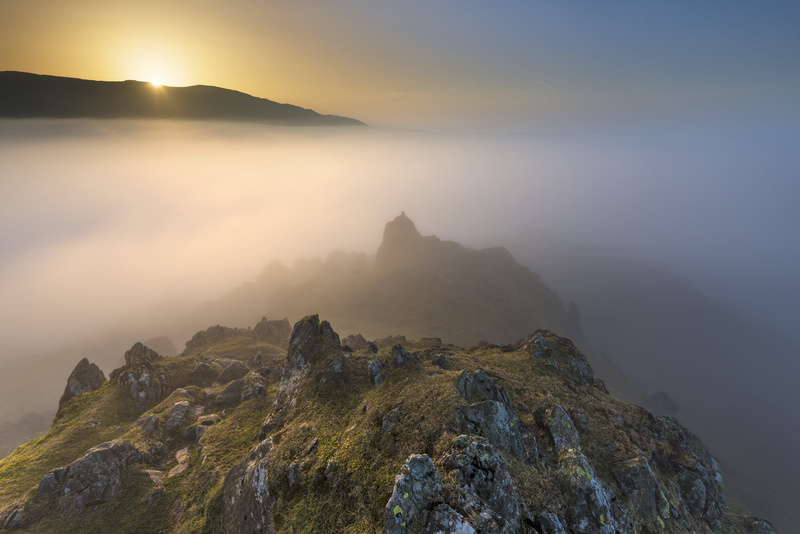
102,220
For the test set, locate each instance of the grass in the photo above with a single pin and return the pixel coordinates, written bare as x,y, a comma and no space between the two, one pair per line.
347,476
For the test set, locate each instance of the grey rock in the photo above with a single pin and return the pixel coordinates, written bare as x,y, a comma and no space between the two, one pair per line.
356,342
203,375
415,488
293,474
706,469
375,367
86,377
148,423
549,523
140,352
176,414
759,526
693,491
591,505
254,387
247,503
334,369
487,491
146,383
478,386
259,360
155,496
92,479
390,421
232,393
495,422
443,519
579,368
14,517
402,357
273,332
639,484
234,371
562,430
309,336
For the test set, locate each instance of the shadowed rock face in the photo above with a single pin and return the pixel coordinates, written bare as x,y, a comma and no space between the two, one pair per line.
415,488
84,378
309,336
246,501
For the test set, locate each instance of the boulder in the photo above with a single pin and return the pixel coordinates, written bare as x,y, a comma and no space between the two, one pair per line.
390,421
259,360
92,479
176,414
234,371
232,393
203,375
356,342
146,382
213,335
375,367
415,488
478,386
84,378
273,332
309,337
487,491
140,352
246,500
639,484
254,387
563,433
13,517
334,369
492,420
402,357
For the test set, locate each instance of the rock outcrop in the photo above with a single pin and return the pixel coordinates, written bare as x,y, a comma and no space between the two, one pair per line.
274,332
415,488
147,384
460,442
487,492
84,378
92,479
246,500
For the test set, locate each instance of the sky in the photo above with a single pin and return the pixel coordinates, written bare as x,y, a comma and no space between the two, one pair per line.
448,63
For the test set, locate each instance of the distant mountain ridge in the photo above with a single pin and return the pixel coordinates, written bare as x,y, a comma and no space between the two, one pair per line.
26,95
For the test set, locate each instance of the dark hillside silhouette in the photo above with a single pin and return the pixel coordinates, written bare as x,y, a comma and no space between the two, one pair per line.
24,95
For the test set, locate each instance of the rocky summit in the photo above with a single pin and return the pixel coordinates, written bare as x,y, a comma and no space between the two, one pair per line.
268,429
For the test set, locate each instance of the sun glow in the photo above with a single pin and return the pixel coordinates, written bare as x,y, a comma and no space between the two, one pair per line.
156,82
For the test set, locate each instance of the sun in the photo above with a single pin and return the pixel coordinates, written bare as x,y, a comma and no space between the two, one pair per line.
155,82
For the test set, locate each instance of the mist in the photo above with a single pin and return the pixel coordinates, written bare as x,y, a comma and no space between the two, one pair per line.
103,221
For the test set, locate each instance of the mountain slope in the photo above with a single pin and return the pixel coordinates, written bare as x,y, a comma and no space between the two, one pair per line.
24,95
733,378
240,436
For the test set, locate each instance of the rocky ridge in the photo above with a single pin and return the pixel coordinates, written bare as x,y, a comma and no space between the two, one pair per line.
398,436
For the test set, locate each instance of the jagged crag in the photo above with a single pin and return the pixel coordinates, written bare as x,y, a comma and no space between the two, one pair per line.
267,430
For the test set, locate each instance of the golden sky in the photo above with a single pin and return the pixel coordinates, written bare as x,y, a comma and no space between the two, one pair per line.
420,61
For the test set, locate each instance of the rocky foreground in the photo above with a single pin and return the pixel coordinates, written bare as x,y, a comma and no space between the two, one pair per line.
260,430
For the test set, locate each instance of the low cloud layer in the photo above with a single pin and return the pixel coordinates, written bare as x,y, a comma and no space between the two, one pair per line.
100,221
